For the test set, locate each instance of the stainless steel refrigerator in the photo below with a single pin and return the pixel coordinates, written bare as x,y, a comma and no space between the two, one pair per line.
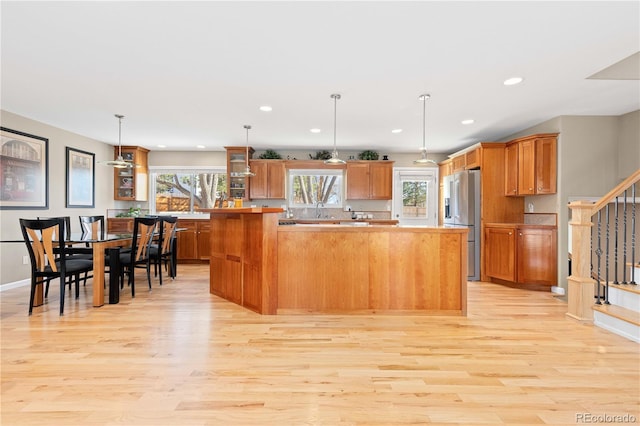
462,208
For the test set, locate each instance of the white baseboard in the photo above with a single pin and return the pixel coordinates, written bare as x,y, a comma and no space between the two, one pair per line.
557,290
15,284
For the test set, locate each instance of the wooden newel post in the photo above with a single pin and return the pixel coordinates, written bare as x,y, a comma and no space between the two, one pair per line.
581,286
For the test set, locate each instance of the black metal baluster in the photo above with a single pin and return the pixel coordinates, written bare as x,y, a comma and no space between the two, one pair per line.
624,236
615,244
606,257
633,234
599,254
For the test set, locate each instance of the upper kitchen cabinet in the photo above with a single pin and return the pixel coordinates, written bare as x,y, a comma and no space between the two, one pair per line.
468,159
269,181
530,165
369,180
131,183
237,182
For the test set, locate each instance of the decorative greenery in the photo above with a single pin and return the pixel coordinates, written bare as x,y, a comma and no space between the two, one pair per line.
270,154
132,212
368,155
321,155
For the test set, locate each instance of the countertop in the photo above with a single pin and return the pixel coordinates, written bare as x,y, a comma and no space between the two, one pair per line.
520,225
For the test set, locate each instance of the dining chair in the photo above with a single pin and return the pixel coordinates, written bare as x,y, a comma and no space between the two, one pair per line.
93,225
72,252
162,251
49,258
138,257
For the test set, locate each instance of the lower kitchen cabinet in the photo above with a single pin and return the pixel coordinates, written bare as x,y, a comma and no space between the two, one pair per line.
536,254
521,253
193,241
500,252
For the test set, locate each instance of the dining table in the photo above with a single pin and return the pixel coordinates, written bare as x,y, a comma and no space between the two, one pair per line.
100,244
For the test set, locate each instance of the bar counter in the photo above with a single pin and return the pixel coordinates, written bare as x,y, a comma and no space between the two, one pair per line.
328,268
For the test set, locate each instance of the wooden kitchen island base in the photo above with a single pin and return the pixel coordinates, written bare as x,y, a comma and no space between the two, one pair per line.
295,269
324,268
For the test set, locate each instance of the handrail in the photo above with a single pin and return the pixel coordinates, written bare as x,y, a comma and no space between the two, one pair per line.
581,284
620,188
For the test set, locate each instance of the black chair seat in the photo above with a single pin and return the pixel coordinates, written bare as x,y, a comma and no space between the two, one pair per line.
75,265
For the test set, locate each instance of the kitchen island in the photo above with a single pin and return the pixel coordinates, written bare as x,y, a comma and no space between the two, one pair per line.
330,268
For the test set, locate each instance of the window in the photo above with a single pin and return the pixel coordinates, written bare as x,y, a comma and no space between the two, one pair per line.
309,187
185,190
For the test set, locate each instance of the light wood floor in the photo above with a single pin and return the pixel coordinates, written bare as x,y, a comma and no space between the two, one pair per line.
180,356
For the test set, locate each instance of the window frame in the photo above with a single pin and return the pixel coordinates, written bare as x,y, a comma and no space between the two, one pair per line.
293,173
185,170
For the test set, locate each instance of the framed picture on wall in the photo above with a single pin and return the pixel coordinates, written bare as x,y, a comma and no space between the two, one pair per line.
81,178
24,170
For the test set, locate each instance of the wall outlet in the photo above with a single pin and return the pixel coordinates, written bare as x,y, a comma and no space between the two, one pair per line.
25,260
347,208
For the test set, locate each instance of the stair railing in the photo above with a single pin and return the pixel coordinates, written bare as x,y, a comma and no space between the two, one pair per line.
587,222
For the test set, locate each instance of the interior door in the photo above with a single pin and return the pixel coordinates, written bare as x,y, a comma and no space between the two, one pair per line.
415,196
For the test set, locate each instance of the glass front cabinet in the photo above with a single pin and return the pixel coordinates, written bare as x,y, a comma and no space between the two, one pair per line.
237,183
131,183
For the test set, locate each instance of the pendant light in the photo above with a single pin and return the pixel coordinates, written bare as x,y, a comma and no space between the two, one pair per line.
119,162
247,171
424,160
334,155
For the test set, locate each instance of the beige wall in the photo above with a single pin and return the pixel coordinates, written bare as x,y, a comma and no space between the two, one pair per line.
629,144
11,267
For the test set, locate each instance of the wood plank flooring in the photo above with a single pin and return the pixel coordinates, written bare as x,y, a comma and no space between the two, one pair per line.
180,356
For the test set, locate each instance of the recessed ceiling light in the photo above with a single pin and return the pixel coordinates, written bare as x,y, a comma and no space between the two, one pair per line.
396,131
200,146
315,130
513,80
465,122
265,108
162,146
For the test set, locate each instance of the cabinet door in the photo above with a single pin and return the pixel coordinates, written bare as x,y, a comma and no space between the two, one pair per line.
276,174
130,184
187,248
500,255
459,163
237,183
358,181
537,263
511,170
526,167
473,158
204,239
546,158
381,181
259,185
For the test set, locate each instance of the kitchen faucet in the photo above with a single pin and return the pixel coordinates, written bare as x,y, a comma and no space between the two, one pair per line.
318,204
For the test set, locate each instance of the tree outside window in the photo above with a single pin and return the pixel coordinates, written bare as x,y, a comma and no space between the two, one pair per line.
188,192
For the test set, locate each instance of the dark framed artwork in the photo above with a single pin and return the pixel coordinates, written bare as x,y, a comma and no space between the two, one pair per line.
24,170
81,178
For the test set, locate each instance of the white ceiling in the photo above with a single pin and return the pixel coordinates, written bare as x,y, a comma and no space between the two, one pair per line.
190,73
